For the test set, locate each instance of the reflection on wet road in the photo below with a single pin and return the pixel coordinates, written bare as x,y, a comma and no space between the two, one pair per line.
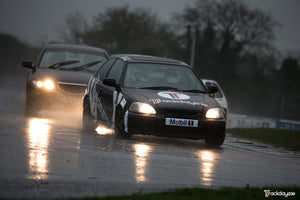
52,157
102,130
141,152
38,137
206,166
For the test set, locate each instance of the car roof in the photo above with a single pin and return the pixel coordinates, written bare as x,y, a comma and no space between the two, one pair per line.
74,47
147,58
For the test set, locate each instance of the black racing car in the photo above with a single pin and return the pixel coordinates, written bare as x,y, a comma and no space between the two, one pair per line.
137,94
59,75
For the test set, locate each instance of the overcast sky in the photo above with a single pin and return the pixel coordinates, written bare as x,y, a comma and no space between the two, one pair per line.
33,21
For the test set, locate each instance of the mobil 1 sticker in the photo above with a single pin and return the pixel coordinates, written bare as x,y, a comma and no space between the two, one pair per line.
181,122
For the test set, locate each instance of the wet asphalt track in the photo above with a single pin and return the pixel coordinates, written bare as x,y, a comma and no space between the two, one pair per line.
51,157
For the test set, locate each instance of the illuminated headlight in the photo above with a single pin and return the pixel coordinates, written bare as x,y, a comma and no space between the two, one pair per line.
144,108
39,84
47,84
214,113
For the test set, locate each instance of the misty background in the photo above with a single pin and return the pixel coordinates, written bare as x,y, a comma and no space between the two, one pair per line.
250,47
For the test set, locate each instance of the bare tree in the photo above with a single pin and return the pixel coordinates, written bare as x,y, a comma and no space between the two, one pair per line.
236,25
73,28
125,30
234,45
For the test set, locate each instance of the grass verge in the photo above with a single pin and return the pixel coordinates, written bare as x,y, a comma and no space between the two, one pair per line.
246,193
289,139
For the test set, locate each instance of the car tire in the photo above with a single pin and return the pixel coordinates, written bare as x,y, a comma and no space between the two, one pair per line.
88,122
120,127
215,141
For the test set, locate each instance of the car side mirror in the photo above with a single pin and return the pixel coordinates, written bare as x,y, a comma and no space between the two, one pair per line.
110,82
212,89
28,64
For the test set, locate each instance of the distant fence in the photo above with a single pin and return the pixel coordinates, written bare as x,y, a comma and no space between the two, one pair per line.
245,121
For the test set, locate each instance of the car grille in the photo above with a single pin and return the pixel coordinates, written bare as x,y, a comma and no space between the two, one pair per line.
72,88
181,114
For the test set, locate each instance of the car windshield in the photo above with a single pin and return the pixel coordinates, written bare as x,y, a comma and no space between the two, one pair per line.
72,60
161,76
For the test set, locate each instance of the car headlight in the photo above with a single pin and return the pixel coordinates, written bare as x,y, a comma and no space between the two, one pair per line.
214,113
144,108
47,84
39,84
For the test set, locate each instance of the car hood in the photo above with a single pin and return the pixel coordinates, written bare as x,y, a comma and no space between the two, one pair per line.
79,77
162,99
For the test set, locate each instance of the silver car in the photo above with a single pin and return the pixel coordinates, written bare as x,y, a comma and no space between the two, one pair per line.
219,96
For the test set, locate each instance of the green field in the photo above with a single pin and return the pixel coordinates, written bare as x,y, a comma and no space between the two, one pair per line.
210,194
289,139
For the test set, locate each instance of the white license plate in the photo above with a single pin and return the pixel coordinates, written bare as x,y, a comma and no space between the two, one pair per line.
181,122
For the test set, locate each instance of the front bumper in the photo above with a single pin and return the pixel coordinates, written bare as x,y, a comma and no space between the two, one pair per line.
52,100
150,125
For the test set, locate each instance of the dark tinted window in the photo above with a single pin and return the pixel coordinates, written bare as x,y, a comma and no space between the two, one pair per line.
79,60
140,75
104,69
116,71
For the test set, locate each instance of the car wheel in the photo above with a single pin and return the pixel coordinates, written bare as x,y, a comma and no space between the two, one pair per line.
120,127
215,141
88,122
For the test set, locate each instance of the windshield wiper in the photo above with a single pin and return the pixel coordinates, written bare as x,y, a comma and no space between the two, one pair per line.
194,91
60,64
159,88
87,65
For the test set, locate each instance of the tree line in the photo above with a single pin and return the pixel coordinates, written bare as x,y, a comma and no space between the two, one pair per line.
12,53
223,40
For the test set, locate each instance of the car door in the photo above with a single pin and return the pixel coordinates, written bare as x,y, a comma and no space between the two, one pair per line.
94,90
107,92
